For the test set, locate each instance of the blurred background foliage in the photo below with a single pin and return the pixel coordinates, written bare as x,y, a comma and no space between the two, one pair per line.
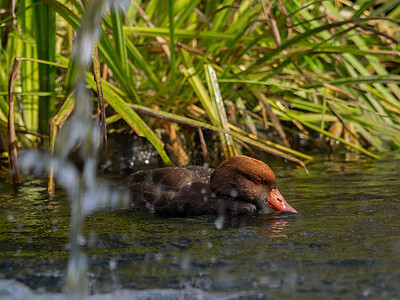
212,77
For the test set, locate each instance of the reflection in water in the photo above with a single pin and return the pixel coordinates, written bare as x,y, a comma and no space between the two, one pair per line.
272,225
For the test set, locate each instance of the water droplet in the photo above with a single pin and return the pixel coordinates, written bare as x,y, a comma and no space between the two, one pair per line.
367,293
219,222
81,240
234,193
185,263
159,257
112,264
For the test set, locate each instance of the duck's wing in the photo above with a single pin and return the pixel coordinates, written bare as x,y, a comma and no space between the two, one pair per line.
200,174
207,203
192,200
155,190
170,178
150,197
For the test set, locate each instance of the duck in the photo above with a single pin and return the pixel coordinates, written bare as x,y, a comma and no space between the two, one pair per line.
239,186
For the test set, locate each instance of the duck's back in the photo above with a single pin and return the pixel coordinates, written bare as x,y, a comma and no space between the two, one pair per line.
181,192
160,190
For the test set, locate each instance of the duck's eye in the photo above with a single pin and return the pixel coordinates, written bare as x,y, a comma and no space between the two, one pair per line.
257,181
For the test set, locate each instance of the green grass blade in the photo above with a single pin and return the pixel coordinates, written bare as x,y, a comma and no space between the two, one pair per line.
328,134
199,89
262,144
66,13
119,37
213,87
107,53
172,40
46,49
131,118
141,63
183,33
29,69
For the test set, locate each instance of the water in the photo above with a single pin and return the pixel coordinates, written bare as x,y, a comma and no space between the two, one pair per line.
343,243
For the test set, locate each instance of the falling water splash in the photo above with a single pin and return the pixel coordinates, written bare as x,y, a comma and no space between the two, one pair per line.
85,192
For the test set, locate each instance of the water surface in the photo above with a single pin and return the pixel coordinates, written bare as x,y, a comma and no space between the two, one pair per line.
343,243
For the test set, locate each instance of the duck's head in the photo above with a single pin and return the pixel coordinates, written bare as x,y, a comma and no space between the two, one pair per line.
249,180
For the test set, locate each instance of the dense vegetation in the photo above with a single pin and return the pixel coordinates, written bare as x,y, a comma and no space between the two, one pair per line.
266,74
